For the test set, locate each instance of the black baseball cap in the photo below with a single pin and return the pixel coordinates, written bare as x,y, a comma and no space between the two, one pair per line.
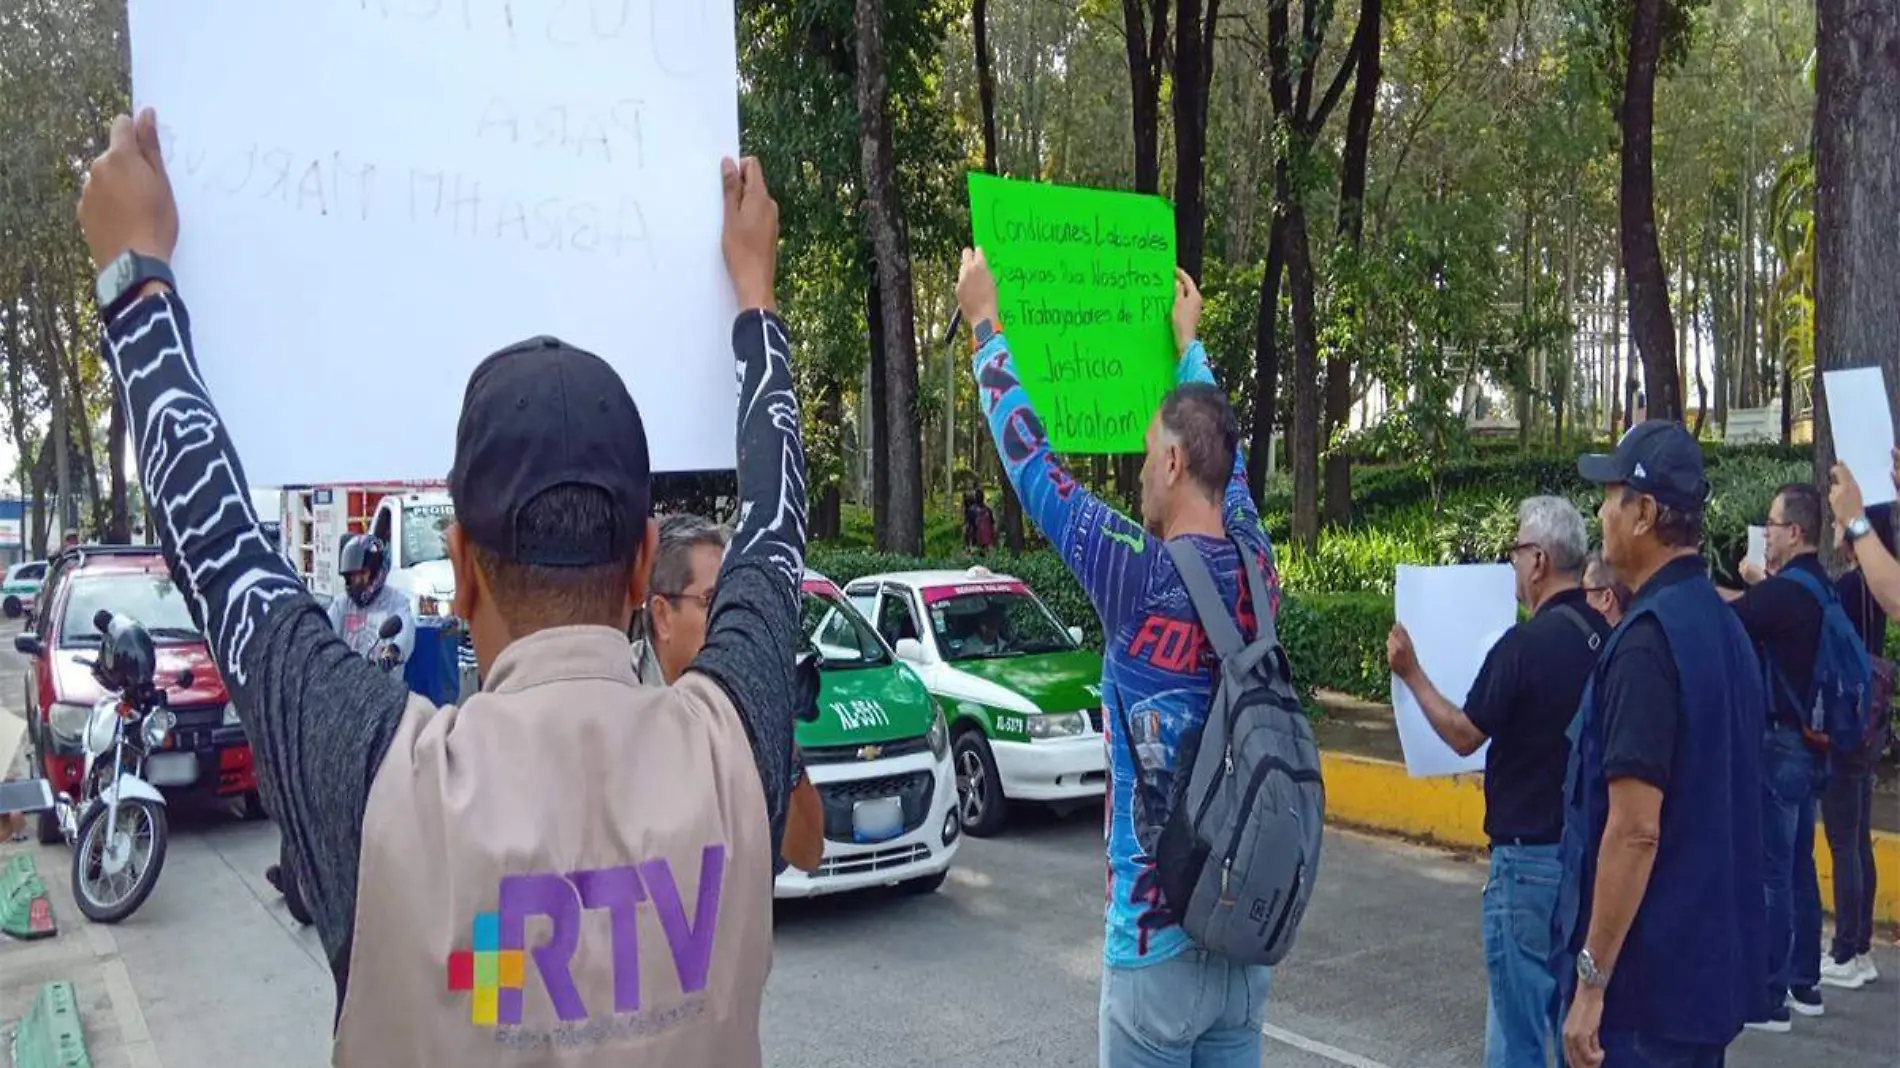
1656,457
541,414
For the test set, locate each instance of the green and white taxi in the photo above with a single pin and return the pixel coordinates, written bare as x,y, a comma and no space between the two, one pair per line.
22,588
879,754
1022,695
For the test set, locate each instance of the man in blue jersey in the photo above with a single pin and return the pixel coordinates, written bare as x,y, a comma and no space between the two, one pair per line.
1165,1000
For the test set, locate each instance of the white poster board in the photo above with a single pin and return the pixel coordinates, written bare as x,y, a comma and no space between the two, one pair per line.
1862,423
1757,547
376,194
1455,615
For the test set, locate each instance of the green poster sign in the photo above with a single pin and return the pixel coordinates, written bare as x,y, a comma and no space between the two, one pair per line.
1085,280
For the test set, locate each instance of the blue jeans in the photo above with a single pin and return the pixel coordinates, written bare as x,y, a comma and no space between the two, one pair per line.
1791,775
1632,1049
1847,809
1522,1020
1196,1010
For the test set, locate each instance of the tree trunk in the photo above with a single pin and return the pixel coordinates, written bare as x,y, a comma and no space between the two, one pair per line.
1650,327
1193,81
1856,200
1145,28
905,529
118,526
1012,517
1266,366
827,518
1306,444
880,431
1352,214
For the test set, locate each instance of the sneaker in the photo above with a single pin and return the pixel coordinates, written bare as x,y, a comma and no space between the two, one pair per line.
1847,975
1777,1023
1865,962
1806,1000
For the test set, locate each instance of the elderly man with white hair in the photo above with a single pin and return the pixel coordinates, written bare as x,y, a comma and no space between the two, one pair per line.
1523,701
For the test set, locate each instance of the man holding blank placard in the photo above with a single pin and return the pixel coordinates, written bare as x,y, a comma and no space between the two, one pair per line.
571,868
1523,701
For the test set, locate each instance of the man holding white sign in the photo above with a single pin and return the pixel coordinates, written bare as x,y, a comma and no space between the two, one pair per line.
1523,701
565,793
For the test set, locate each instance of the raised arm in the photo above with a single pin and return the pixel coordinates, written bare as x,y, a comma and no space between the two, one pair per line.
753,633
1109,553
318,717
1241,514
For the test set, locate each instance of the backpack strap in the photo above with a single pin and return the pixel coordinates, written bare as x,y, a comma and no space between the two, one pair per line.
1814,586
1265,629
1582,624
1205,596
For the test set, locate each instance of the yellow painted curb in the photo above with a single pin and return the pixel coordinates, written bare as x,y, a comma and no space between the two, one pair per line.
1449,810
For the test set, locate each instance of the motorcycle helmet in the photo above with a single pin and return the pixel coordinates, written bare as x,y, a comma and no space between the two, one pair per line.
365,564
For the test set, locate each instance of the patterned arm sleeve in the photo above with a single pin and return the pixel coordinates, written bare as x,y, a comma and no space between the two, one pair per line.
1108,552
1238,509
319,718
753,633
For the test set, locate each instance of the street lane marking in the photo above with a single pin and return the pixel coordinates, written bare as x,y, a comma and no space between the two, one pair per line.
1319,1049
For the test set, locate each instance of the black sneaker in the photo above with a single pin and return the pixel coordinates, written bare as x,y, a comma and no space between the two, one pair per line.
1779,1022
274,876
1806,1000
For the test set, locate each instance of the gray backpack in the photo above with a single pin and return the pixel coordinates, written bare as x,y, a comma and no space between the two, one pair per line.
1238,853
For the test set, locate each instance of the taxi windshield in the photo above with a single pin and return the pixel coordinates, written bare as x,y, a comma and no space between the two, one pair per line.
842,636
147,597
422,537
995,624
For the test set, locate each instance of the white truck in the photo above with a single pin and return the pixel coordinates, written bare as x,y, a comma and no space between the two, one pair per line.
408,517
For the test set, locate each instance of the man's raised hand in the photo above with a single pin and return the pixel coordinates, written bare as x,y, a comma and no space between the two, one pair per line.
1187,310
126,202
976,289
750,239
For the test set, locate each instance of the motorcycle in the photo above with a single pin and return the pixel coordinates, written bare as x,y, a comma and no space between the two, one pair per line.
283,875
117,826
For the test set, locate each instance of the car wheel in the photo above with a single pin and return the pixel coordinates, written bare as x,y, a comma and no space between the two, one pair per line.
980,800
13,609
923,885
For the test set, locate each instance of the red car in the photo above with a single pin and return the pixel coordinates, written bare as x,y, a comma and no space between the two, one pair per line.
207,754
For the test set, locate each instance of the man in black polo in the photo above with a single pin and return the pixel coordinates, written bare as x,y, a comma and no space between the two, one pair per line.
1523,701
1662,904
1783,619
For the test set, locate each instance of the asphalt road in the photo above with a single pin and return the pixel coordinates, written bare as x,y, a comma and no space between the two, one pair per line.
999,967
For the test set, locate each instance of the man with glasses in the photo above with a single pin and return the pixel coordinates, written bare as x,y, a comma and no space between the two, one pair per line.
1523,701
1608,596
1783,619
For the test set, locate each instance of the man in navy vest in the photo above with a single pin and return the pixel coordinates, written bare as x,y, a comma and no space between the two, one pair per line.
1662,904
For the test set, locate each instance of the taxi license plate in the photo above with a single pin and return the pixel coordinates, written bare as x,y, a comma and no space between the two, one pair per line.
172,769
877,820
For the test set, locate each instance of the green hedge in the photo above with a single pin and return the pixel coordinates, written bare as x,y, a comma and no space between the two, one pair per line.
1336,641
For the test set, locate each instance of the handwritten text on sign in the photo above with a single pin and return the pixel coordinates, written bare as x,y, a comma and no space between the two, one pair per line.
1086,283
376,194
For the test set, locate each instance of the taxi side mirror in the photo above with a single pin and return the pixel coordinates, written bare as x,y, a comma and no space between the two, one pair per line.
912,650
1075,635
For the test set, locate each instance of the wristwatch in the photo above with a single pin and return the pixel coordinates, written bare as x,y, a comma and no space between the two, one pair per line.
1588,973
1858,528
982,332
119,284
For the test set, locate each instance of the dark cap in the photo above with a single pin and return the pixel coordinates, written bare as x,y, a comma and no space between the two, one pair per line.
541,414
1656,457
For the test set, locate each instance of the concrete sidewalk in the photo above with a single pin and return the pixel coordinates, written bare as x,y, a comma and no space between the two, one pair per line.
84,954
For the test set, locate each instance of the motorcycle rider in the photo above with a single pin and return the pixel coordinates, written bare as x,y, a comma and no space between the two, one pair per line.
357,616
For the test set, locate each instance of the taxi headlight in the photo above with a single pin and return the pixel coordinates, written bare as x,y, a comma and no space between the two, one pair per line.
939,736
68,721
1057,725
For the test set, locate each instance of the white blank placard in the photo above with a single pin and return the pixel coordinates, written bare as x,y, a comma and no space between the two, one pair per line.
1455,615
376,194
1862,423
1758,546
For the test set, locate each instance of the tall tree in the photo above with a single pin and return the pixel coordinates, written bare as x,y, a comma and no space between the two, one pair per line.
1193,82
1648,280
1352,229
904,529
1145,27
1857,199
986,102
